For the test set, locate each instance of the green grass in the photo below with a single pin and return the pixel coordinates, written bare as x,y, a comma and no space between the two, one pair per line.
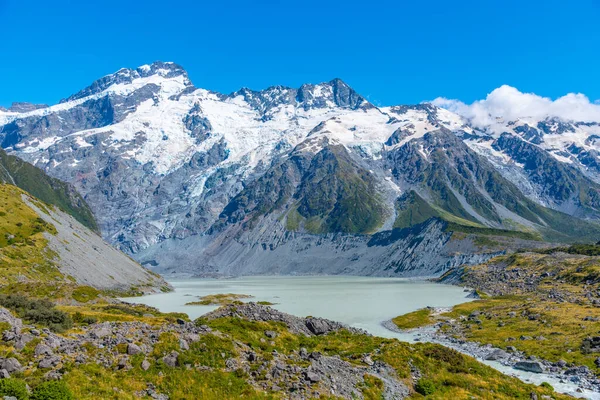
415,319
220,299
562,325
452,227
84,294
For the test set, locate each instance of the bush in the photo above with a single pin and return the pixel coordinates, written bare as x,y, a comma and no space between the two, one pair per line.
546,385
83,319
425,387
52,390
40,312
455,361
14,387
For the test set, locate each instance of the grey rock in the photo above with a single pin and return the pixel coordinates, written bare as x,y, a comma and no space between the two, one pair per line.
10,365
43,349
496,355
133,349
312,377
22,341
530,366
49,362
145,365
8,317
171,360
183,345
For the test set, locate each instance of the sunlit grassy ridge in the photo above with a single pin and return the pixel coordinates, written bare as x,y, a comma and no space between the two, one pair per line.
34,181
24,254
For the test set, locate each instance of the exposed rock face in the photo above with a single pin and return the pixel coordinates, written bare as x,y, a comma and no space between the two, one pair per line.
89,260
166,166
256,312
423,250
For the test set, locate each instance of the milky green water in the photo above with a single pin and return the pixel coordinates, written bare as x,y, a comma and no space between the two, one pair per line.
361,302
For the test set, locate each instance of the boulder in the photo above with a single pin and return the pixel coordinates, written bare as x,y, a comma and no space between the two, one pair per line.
43,350
497,354
101,331
271,334
171,360
10,364
49,362
318,326
133,349
530,366
183,345
6,316
591,345
312,376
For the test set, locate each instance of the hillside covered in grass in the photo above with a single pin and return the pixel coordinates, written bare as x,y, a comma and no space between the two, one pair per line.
34,181
45,252
543,305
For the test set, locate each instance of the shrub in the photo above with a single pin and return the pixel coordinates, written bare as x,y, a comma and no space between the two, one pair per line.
14,387
456,362
40,312
52,390
546,385
425,387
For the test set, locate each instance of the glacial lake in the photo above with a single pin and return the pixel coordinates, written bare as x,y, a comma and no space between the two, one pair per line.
361,302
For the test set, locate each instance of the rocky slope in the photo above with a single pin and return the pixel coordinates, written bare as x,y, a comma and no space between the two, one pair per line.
238,351
254,181
536,311
43,250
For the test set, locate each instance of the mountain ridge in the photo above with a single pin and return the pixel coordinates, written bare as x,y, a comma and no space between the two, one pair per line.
161,160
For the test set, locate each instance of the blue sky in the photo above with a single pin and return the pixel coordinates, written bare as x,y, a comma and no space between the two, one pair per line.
391,52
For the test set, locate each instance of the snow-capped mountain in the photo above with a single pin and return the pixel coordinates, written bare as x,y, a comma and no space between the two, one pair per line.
193,180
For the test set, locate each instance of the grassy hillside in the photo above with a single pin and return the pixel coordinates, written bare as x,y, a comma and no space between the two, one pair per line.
52,191
543,303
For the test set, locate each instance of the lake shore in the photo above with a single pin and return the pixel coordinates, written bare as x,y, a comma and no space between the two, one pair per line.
572,380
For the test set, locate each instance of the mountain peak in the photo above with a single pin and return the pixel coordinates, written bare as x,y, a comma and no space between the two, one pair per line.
127,75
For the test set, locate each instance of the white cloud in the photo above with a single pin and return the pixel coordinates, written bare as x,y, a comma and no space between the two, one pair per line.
508,104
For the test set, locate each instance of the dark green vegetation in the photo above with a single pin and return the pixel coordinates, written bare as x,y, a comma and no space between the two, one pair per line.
49,390
52,390
34,181
329,192
38,312
14,387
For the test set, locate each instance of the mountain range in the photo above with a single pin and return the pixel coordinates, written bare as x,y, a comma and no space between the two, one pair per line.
314,179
